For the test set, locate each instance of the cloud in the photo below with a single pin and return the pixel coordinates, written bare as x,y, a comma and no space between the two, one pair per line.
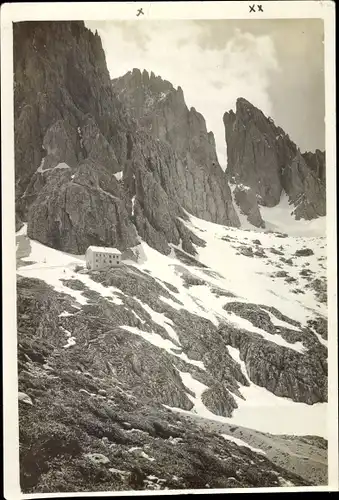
212,78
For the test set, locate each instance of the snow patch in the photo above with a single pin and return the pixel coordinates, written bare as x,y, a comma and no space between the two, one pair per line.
279,322
40,168
62,165
161,320
70,342
265,412
70,338
240,442
167,345
242,187
64,314
133,203
276,339
280,218
236,356
22,231
261,410
144,455
251,278
118,175
198,388
138,317
319,337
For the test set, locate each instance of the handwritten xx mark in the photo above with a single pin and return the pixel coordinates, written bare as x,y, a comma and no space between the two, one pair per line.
252,8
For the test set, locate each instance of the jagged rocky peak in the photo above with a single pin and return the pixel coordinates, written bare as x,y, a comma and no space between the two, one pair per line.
262,157
136,78
253,156
141,91
161,109
195,177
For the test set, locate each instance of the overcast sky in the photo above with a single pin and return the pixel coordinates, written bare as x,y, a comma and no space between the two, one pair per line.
278,65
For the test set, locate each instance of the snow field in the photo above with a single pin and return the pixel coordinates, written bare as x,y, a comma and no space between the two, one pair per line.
199,299
251,278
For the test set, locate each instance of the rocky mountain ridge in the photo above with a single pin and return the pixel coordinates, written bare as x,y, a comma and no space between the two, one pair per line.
130,157
196,176
85,171
263,158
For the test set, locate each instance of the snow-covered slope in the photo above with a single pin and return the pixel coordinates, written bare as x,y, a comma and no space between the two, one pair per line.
235,265
281,219
252,278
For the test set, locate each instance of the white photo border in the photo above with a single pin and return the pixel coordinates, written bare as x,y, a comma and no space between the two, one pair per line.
103,11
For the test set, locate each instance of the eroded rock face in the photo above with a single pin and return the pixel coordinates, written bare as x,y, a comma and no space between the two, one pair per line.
262,157
301,376
72,211
69,137
306,191
317,162
246,199
195,177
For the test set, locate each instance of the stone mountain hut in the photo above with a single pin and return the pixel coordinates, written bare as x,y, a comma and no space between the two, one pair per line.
102,257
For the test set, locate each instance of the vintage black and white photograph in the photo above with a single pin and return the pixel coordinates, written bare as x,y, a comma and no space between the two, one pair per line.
171,254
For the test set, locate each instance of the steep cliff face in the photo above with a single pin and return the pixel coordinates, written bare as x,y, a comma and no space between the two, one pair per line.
245,198
307,192
70,139
85,171
317,162
262,157
195,177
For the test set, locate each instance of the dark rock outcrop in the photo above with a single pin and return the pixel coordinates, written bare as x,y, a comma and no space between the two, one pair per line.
246,199
72,211
282,370
304,252
69,139
263,157
317,162
306,191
